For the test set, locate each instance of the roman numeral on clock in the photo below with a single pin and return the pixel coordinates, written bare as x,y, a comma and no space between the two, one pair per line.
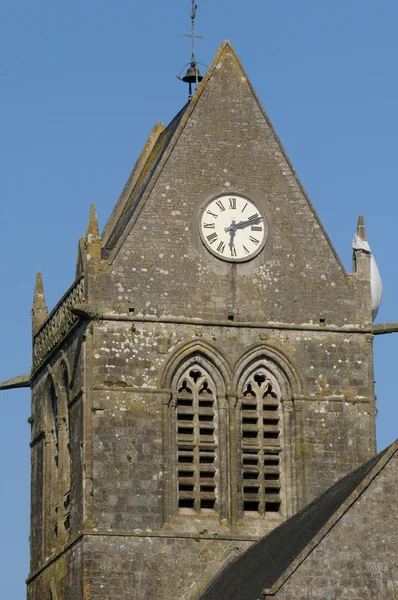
256,228
233,251
208,212
246,250
254,240
221,247
212,237
220,205
255,216
232,203
210,225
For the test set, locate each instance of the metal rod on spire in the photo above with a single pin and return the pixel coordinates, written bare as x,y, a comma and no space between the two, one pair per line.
193,15
192,75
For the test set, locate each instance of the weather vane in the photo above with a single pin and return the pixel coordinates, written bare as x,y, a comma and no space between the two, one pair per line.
192,76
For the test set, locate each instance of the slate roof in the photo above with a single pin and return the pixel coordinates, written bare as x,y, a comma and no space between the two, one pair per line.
143,180
268,560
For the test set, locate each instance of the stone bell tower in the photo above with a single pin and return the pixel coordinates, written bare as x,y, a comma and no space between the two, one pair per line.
209,371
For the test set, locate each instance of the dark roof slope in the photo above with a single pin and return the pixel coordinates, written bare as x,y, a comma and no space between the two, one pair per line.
265,562
143,180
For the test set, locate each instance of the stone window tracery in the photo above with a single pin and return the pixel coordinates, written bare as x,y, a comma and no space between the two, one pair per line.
196,420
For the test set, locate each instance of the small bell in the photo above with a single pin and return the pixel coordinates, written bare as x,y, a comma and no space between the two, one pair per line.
193,74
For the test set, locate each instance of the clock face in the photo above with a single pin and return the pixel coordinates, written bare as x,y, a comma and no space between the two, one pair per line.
233,228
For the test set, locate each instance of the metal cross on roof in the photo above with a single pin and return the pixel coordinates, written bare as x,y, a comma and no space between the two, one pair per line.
192,34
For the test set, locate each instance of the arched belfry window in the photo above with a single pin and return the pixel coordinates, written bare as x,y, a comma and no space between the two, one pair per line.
64,452
57,474
197,440
261,437
51,476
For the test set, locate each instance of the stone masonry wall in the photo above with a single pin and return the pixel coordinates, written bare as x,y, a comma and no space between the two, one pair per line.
139,568
334,410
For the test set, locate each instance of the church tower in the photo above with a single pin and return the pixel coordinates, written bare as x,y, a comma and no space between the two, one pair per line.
209,371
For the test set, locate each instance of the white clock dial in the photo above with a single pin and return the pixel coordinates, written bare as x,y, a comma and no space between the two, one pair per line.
233,228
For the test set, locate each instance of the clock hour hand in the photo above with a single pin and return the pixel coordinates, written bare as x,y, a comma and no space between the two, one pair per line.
232,231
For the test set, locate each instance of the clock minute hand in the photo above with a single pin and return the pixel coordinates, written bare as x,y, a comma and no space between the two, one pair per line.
243,224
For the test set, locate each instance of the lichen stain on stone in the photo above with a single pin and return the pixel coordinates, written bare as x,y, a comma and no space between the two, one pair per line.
86,585
303,449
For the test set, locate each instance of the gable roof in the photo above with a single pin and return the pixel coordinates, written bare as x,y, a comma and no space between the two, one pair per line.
267,564
162,150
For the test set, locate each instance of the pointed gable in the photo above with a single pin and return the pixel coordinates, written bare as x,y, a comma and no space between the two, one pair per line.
223,143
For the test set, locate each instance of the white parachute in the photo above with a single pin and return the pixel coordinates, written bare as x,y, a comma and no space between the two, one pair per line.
376,286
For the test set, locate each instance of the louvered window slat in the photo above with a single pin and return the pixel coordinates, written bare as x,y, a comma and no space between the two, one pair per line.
196,423
260,446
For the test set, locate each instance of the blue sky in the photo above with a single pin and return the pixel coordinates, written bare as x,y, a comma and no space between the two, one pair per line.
82,85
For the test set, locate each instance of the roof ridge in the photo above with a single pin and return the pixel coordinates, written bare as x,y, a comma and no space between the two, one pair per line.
294,540
157,130
152,160
379,460
379,455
